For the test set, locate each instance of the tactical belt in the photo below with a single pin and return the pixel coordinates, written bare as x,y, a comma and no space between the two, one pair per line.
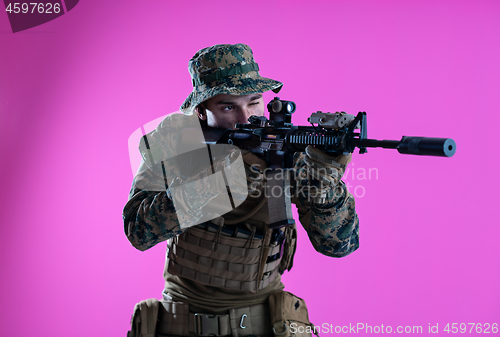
175,319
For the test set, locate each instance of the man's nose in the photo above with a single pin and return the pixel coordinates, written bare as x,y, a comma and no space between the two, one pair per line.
244,114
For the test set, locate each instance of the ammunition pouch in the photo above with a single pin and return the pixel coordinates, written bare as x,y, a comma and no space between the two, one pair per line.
289,315
289,248
144,319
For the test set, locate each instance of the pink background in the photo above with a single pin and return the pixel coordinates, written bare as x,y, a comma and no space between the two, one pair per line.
73,90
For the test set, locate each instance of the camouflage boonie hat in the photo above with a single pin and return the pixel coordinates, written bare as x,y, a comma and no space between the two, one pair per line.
225,69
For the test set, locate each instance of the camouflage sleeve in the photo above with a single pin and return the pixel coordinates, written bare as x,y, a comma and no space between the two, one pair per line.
149,215
333,227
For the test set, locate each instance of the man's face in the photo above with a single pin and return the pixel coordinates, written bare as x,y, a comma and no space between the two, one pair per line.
224,111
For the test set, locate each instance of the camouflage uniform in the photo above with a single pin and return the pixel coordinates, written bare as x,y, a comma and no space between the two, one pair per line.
150,216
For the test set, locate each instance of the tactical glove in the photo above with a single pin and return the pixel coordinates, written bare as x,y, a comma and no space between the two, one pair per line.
324,171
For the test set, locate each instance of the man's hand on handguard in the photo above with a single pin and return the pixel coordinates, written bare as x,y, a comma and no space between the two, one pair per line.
324,172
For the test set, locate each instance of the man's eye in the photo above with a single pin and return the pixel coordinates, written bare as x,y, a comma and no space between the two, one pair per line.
228,107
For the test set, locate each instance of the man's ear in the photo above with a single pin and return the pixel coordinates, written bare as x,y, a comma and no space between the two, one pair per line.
201,112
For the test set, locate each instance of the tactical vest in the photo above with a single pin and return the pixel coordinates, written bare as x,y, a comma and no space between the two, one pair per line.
230,254
235,263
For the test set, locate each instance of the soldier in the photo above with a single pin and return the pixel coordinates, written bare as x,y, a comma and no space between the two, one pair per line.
223,275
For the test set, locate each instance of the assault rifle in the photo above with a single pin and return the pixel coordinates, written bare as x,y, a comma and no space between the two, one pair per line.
276,140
